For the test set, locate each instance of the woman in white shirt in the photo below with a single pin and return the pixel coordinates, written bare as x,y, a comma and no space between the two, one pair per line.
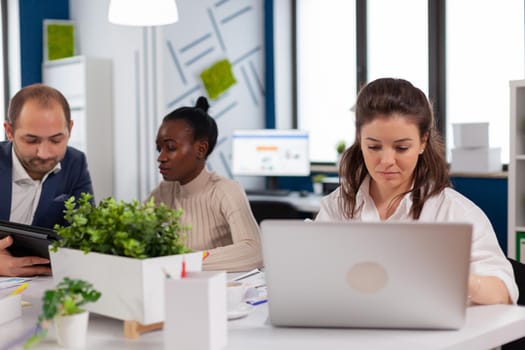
396,170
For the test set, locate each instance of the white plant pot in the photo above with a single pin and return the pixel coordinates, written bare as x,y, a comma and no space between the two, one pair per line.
71,330
132,289
318,188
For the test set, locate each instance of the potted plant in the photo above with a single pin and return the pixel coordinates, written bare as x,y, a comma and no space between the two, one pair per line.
63,305
124,249
317,183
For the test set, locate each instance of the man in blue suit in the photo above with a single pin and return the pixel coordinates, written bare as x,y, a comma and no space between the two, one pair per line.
38,171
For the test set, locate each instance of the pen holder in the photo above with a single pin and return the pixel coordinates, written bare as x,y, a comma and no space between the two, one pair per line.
196,311
11,308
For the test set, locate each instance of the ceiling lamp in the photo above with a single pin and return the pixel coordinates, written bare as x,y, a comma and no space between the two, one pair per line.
143,12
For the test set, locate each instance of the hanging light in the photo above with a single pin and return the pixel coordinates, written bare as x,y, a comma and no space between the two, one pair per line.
143,12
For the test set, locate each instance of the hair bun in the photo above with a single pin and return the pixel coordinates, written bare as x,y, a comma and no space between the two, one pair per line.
202,103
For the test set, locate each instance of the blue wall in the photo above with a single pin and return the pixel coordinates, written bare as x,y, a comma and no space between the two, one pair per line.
490,194
32,14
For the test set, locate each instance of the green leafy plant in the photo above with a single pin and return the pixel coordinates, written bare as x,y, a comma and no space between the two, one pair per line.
134,229
340,146
66,299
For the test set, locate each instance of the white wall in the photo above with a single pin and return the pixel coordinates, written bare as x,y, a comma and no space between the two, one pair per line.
14,47
282,37
148,83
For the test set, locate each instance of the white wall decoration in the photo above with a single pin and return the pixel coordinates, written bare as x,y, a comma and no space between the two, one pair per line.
156,69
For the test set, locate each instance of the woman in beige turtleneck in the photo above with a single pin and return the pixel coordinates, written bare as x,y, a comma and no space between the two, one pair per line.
215,207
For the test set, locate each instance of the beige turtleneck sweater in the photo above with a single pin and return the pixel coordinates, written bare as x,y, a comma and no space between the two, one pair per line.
220,217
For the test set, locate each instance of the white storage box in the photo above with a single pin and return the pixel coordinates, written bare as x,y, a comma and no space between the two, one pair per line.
476,160
470,135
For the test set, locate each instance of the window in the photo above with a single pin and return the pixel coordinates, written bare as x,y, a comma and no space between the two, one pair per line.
481,59
326,75
482,42
397,40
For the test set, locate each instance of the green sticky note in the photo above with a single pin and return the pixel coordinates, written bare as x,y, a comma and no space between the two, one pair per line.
218,78
60,41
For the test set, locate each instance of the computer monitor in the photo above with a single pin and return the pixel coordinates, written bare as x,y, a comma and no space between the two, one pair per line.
270,152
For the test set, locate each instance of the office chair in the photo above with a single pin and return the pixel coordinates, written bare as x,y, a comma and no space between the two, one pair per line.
519,275
268,209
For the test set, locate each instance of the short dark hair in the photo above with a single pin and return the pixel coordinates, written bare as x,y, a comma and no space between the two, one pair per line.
43,94
203,126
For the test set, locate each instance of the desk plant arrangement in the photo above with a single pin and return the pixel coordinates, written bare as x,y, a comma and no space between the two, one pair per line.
63,305
132,229
123,248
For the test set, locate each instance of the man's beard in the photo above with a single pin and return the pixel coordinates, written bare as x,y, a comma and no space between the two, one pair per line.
39,165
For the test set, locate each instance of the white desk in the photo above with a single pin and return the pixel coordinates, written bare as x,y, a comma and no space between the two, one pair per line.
486,327
308,204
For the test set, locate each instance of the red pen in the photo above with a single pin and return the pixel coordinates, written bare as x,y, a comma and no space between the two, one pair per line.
183,270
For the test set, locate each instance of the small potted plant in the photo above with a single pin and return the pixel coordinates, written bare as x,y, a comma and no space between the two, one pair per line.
63,305
123,248
317,183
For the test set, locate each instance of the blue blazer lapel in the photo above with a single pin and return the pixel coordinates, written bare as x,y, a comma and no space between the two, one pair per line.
6,179
47,196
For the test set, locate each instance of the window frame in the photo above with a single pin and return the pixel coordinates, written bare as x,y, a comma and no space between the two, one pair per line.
436,63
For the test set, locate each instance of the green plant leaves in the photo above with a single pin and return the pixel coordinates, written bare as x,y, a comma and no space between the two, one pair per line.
66,299
134,229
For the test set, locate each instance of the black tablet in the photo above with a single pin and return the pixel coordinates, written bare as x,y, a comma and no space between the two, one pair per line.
28,240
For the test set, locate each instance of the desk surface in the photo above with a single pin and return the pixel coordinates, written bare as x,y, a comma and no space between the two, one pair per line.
486,327
308,204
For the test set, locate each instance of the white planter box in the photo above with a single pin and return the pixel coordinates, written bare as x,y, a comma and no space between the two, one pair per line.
132,289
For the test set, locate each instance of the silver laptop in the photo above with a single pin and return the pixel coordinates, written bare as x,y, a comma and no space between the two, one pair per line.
366,275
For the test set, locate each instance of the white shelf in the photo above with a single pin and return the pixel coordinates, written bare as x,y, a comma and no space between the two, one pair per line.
86,84
516,177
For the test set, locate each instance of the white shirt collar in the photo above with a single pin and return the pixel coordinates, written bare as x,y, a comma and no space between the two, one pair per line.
368,209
